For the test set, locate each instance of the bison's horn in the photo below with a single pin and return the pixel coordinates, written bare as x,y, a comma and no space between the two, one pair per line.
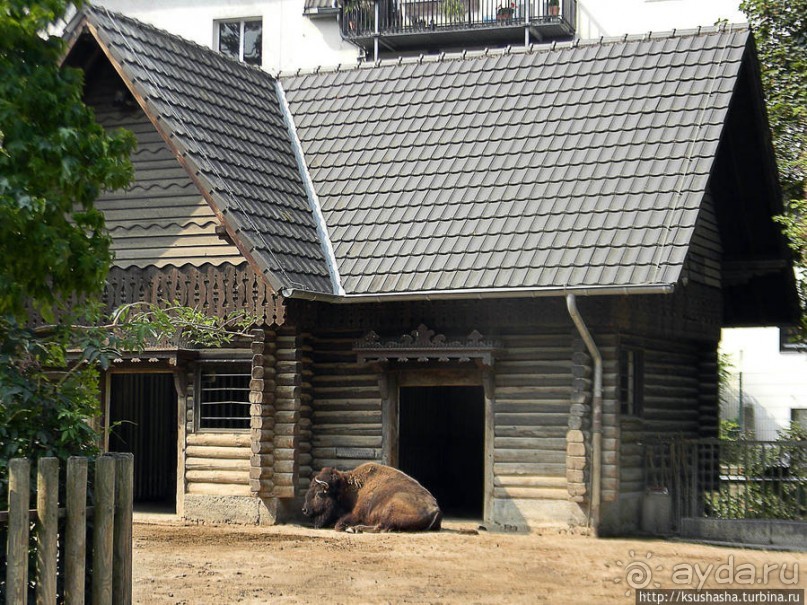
321,482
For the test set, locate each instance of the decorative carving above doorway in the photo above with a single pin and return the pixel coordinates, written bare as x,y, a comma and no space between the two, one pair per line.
423,344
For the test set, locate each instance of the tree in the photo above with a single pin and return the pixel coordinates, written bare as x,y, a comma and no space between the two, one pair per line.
54,161
780,32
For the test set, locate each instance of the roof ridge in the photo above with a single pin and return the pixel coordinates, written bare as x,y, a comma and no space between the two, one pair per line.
470,55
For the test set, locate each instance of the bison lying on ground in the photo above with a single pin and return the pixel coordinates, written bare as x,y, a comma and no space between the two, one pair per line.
371,497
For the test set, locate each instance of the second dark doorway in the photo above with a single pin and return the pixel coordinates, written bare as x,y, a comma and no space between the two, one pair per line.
143,417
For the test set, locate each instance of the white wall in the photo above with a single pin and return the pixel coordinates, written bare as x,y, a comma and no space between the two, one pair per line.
616,17
290,40
772,381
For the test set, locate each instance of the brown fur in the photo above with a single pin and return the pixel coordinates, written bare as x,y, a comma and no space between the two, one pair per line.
372,497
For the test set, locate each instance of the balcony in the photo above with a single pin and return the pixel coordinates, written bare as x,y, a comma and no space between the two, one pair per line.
428,25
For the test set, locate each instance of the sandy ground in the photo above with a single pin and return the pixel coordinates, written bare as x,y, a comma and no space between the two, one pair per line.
292,564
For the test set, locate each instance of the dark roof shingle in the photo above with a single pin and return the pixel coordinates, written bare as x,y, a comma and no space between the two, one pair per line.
226,120
579,166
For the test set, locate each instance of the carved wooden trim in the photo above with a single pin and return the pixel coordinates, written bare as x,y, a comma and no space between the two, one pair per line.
217,290
422,345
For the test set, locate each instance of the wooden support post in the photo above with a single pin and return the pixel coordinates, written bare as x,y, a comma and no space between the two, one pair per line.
75,531
47,517
103,521
122,558
19,498
489,387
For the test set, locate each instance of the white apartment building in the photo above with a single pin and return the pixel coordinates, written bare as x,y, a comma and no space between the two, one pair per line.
295,34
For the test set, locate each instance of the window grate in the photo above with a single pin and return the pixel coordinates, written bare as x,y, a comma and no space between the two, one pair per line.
224,397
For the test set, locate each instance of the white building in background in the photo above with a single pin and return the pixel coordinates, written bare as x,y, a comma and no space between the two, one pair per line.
769,381
305,34
612,18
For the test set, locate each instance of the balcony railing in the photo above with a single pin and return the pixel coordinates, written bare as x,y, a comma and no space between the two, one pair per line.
425,24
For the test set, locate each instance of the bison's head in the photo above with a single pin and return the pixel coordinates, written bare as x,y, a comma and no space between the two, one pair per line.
322,501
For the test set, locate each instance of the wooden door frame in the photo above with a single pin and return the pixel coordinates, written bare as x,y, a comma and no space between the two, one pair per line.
177,373
390,383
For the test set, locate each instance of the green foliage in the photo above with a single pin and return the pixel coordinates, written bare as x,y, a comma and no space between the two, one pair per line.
729,430
54,161
40,414
453,10
725,369
780,32
48,399
762,481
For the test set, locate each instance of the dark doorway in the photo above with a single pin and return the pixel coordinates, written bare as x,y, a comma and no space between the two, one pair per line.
143,421
441,444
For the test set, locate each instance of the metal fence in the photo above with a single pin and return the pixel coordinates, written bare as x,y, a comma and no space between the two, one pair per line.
408,16
721,479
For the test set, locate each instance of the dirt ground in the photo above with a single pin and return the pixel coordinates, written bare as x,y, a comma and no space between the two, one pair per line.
291,564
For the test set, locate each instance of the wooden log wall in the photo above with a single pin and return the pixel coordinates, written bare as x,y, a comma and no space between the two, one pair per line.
578,444
305,442
542,389
680,395
346,413
288,410
533,394
609,349
704,260
708,393
218,464
262,412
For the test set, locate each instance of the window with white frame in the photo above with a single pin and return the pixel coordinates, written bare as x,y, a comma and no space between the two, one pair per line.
224,396
241,39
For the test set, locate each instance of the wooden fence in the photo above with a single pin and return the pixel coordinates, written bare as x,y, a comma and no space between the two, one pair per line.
111,515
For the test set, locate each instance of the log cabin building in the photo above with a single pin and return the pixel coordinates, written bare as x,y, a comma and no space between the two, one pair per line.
498,271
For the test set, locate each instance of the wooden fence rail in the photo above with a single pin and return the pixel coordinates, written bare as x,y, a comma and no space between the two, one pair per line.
111,578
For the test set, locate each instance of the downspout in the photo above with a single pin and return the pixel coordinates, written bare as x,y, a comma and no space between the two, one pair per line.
596,411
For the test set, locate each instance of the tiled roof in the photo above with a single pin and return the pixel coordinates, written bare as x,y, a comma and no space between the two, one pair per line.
226,120
581,166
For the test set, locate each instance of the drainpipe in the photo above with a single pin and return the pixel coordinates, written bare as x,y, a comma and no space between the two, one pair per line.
596,411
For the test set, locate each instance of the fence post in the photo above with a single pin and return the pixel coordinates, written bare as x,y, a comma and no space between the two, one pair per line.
122,560
19,500
103,522
47,516
76,531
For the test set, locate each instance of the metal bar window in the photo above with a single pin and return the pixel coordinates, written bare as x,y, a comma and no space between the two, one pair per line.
224,396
